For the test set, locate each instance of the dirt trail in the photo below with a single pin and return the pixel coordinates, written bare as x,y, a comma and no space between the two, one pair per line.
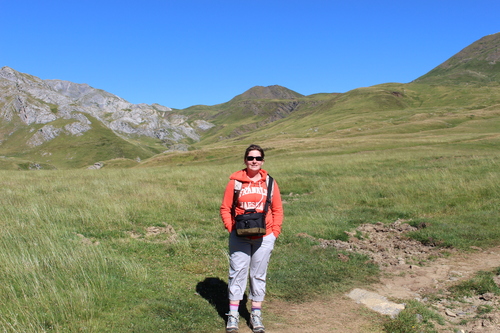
407,273
441,272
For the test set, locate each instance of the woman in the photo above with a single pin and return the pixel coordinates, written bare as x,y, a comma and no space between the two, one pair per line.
250,254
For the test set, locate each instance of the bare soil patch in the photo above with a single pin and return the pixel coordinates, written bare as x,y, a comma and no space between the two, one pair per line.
410,270
156,234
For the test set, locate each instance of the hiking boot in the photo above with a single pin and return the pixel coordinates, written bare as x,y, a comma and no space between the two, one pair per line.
256,322
232,322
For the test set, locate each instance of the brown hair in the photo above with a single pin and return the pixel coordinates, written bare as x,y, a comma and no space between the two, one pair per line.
254,147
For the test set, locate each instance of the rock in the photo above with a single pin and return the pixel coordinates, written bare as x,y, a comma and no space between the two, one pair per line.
450,313
96,166
203,125
178,147
44,134
496,279
487,296
32,112
35,166
77,128
376,302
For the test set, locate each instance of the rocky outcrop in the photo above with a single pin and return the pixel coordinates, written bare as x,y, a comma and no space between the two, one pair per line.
203,125
46,133
32,113
50,132
34,101
96,166
77,128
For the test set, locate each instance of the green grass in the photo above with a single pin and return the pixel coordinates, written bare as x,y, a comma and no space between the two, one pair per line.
71,263
480,284
415,318
75,248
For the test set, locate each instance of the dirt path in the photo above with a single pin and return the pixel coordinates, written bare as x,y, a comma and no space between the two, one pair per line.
407,273
412,280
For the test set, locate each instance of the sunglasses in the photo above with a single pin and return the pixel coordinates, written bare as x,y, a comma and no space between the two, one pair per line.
258,158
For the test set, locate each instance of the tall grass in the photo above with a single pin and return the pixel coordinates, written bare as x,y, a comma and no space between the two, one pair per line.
454,192
76,255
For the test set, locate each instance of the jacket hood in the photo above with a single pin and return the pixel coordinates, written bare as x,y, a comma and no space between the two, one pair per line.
242,176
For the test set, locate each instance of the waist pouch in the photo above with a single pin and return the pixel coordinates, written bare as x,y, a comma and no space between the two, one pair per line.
250,224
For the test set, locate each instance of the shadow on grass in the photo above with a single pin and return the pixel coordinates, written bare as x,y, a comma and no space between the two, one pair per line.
214,290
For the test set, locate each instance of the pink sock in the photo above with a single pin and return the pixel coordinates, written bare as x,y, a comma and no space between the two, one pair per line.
233,307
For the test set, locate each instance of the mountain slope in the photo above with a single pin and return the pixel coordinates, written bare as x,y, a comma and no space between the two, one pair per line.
34,113
73,125
386,107
251,111
477,63
269,92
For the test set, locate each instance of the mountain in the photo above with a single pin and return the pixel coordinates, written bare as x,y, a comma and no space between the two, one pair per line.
477,63
446,100
59,124
251,111
35,112
270,92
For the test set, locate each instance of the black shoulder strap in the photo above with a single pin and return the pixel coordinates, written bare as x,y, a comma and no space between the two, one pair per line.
270,182
236,193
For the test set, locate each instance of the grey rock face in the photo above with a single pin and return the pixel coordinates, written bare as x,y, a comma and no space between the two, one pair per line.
49,132
36,101
203,125
77,128
32,113
46,133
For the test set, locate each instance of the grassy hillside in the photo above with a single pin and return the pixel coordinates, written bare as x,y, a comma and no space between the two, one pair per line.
464,89
458,95
143,250
378,118
100,144
381,117
478,63
404,114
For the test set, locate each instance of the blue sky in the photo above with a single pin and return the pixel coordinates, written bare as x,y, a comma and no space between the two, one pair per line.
187,52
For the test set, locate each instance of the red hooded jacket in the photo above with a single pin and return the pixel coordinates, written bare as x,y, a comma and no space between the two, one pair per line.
253,195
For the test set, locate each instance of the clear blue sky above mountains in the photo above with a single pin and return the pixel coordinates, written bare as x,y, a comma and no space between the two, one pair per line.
187,52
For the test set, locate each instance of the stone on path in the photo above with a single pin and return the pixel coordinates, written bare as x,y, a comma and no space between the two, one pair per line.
376,302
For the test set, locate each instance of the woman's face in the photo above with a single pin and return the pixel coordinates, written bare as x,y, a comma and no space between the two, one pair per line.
251,161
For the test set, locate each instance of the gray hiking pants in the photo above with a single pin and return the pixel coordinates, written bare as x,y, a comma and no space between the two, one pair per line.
247,254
